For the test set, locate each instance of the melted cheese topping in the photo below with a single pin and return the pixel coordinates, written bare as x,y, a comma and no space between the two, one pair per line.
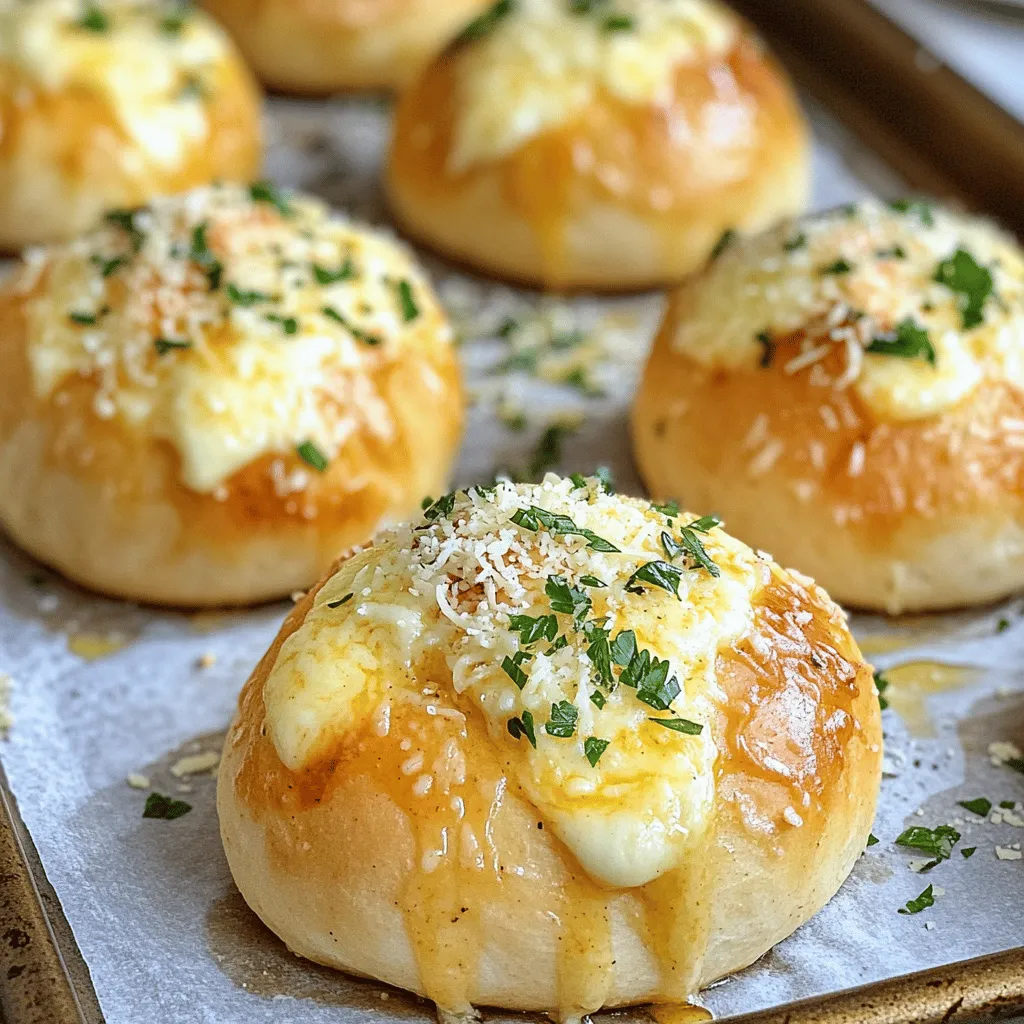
153,63
785,282
543,64
423,616
228,327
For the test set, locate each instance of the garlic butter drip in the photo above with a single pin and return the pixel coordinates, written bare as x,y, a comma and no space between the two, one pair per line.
536,67
924,305
234,322
582,625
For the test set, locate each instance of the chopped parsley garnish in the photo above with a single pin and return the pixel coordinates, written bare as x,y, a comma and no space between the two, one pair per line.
267,192
533,518
1015,764
193,88
1008,805
548,450
683,725
796,242
288,324
111,266
656,574
919,903
407,301
200,254
171,24
971,282
513,667
518,727
566,599
705,524
1002,625
325,276
562,722
617,23
881,684
840,266
240,297
896,252
935,842
88,319
125,220
967,852
165,345
723,243
673,549
486,22
695,549
94,19
599,653
598,699
532,629
507,328
908,341
312,456
592,581
623,648
670,509
872,839
594,748
442,508
916,206
166,807
605,479
980,806
340,601
360,335
767,343
649,676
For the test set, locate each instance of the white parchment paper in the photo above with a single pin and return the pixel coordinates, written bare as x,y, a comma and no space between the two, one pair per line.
151,903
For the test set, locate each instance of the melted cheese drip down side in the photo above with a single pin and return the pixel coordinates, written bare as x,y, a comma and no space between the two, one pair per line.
777,283
245,387
540,66
627,820
152,79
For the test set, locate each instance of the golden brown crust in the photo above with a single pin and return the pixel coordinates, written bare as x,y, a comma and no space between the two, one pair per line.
65,156
341,857
106,506
317,47
617,199
867,507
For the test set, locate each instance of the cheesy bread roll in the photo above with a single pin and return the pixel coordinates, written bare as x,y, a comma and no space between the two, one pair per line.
604,146
550,749
320,47
848,391
108,103
206,399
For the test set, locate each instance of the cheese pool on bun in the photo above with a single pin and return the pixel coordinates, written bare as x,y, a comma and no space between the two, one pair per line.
106,103
848,392
605,146
208,398
551,749
324,46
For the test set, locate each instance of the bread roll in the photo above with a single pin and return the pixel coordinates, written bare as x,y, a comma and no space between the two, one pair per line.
206,399
320,47
847,391
550,749
107,104
574,148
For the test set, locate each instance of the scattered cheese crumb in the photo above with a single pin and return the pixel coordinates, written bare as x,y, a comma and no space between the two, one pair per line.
195,764
137,781
1001,751
207,660
1006,853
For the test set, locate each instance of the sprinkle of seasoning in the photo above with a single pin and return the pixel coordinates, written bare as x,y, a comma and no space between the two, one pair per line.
240,297
513,667
166,807
267,192
94,19
919,903
312,456
562,722
767,343
325,276
881,684
971,282
360,335
407,301
518,727
486,22
200,254
618,23
340,601
723,243
980,806
108,267
919,207
87,319
288,324
840,266
165,345
533,519
594,748
908,341
683,725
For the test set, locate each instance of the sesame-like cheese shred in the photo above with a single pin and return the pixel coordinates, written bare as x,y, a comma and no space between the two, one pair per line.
232,322
425,616
849,279
544,63
154,64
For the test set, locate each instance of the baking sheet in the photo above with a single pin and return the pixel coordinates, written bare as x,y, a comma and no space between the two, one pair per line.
102,691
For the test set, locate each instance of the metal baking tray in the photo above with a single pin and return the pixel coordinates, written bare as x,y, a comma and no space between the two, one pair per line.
105,916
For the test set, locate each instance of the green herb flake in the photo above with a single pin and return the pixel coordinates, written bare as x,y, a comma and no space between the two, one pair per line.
656,574
919,903
967,852
881,685
532,629
125,220
533,518
288,324
239,297
1015,764
669,509
840,266
200,254
971,282
84,319
979,806
268,193
624,648
407,301
605,478
935,842
518,727
513,667
312,456
696,552
111,266
600,655
796,242
562,722
649,677
340,601
440,509
592,581
566,599
548,451
618,23
165,345
918,207
94,19
767,343
594,748
324,276
598,699
1008,805
908,341
485,23
872,839
683,725
166,807
1002,625
358,333
896,252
